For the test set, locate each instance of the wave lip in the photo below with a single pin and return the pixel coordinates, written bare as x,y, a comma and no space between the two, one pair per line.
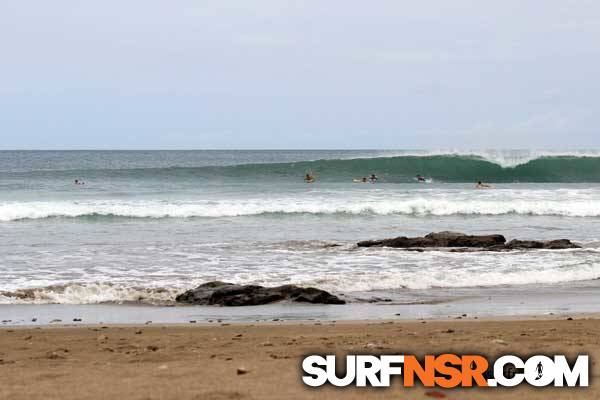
506,158
391,166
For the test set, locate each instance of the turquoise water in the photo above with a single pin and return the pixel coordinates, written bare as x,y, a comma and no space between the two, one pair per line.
147,224
330,166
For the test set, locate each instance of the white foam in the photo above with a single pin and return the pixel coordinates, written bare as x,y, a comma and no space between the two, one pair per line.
484,275
339,270
504,158
575,203
88,293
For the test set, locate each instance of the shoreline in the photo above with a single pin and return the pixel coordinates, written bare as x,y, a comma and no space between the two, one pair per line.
494,303
281,322
215,322
194,361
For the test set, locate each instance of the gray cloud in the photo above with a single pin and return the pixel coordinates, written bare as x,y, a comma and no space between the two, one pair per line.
284,74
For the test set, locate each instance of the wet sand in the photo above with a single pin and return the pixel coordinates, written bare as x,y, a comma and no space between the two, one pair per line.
201,362
501,302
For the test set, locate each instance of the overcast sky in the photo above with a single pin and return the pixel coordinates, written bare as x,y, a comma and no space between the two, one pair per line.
299,74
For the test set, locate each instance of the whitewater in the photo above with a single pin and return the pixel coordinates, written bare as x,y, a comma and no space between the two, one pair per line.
416,202
147,225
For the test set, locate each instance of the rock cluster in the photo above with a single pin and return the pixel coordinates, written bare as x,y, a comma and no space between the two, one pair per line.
460,240
229,294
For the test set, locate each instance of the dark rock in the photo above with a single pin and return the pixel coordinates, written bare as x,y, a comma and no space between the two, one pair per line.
454,239
438,239
524,244
229,294
536,244
401,241
459,242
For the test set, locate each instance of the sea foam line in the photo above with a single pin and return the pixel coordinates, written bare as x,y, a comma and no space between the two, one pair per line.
348,283
421,206
88,293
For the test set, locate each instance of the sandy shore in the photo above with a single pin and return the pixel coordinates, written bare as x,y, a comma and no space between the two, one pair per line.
202,362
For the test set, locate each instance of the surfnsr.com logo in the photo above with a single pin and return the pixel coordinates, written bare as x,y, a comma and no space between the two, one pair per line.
445,371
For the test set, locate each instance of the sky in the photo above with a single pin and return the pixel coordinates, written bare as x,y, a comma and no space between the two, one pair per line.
313,74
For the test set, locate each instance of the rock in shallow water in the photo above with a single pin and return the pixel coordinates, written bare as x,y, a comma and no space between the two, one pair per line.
438,239
229,294
537,244
460,240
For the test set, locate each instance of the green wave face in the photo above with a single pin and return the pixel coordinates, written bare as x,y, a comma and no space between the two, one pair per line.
401,169
438,168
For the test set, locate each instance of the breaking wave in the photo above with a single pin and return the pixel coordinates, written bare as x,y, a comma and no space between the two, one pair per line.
88,293
498,270
442,166
414,206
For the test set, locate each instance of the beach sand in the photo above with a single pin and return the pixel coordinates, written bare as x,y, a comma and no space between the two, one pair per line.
201,362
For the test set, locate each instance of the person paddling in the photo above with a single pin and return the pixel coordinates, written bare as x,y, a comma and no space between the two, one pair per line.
309,178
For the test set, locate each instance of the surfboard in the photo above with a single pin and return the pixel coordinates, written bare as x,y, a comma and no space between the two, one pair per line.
427,180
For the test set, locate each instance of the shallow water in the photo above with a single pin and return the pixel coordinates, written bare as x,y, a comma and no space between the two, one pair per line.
147,225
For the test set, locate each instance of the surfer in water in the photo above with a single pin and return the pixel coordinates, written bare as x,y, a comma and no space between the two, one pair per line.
78,182
481,185
363,180
309,178
420,178
373,178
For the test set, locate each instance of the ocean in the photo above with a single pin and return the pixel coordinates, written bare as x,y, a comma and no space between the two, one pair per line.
147,225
